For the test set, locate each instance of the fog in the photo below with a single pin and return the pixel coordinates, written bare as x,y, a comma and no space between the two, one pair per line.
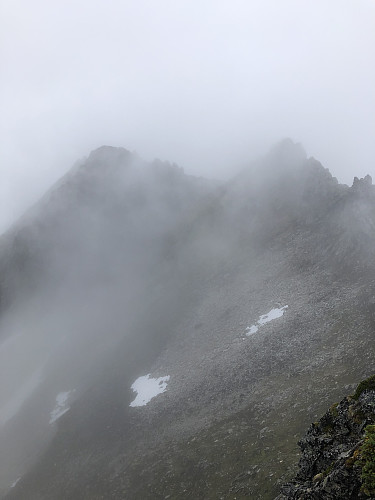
118,248
209,85
107,273
85,275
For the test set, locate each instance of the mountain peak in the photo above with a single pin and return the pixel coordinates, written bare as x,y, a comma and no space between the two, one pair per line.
288,152
362,187
108,155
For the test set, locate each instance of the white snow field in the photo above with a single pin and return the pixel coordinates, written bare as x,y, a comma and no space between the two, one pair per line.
265,318
147,388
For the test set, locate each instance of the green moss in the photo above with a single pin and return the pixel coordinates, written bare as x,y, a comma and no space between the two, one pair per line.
365,385
333,410
367,461
359,417
353,460
349,462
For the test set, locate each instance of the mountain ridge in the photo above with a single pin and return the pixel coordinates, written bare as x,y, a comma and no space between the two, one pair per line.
165,274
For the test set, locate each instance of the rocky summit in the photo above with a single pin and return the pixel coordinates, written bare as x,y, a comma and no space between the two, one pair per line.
167,336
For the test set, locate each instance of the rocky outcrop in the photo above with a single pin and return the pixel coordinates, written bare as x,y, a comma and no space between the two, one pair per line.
338,460
363,187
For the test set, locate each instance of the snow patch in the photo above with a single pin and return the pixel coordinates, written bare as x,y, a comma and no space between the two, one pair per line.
147,388
15,482
250,330
266,318
61,406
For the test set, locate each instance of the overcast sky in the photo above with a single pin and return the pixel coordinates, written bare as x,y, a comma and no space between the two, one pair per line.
209,84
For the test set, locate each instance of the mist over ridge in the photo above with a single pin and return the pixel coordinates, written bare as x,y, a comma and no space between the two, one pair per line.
187,249
127,269
208,85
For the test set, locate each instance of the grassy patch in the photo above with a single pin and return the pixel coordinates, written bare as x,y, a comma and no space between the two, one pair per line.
367,461
365,385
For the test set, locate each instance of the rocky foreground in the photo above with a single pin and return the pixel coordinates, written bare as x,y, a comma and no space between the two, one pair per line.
338,451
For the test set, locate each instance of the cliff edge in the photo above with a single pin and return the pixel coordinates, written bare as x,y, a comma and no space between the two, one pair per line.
338,452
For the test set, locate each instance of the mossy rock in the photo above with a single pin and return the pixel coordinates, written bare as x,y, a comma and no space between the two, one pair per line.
354,459
333,410
365,385
367,461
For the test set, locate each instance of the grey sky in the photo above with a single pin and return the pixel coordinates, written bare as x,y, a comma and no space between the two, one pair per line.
208,84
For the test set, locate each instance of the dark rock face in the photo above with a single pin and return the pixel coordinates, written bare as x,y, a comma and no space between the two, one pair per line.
331,465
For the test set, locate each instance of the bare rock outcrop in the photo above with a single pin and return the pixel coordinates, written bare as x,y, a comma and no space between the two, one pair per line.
338,460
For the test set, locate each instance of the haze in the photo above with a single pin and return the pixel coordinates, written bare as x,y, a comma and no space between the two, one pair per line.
209,85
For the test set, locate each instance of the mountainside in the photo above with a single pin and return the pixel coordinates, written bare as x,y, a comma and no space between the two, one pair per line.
251,304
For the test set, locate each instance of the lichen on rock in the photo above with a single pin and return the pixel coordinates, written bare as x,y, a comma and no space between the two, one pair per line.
338,452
